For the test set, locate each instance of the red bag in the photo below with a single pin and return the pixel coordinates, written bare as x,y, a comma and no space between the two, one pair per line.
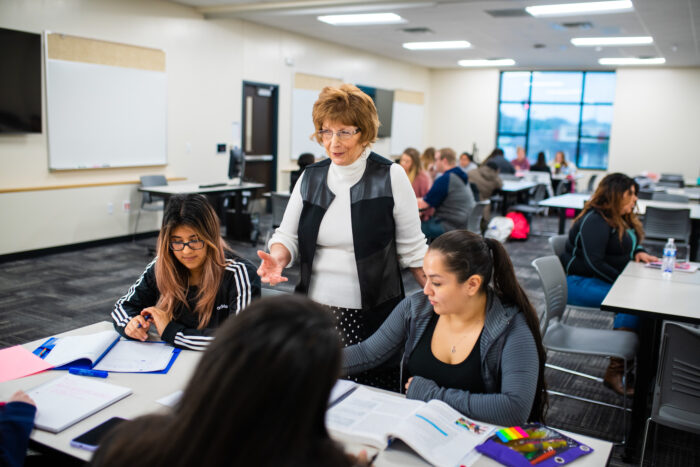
521,228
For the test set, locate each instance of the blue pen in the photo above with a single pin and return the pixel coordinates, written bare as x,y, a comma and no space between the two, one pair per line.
147,317
85,372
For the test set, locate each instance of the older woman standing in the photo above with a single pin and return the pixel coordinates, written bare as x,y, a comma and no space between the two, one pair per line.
351,222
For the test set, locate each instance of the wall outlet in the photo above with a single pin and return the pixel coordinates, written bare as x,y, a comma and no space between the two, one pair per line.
221,148
126,205
110,208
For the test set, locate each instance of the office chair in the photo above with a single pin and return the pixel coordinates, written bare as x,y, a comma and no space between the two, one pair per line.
674,180
150,202
561,337
671,198
591,183
676,401
477,214
558,243
537,194
660,224
278,202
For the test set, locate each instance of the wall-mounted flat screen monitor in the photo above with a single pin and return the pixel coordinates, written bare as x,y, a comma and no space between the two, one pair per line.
20,82
384,101
236,164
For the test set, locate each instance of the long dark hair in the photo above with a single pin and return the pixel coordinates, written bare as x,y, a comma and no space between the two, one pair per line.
465,254
258,396
172,278
607,200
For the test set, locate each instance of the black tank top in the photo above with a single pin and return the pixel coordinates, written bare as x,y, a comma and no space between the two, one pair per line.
465,375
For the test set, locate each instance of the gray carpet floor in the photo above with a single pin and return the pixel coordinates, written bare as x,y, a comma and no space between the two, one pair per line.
46,295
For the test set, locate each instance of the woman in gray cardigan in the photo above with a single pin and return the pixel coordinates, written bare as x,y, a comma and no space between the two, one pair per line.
471,339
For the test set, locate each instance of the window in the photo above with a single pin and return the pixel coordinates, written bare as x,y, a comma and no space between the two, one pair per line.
552,111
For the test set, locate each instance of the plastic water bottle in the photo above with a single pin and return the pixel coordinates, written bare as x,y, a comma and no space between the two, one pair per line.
669,258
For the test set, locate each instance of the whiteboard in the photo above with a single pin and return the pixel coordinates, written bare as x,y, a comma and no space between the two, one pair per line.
406,127
303,125
105,116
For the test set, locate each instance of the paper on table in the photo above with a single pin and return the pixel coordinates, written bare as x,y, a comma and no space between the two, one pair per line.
136,357
71,348
16,362
171,399
68,399
341,387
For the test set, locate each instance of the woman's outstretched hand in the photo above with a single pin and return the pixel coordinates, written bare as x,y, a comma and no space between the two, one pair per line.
270,269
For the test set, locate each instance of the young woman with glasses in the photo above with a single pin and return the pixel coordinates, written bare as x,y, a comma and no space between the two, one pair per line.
193,284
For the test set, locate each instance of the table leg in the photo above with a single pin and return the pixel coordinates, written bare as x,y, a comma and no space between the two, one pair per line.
647,358
562,220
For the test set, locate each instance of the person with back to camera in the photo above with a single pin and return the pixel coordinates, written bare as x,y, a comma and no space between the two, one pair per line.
604,237
352,223
541,164
194,283
450,196
471,339
487,180
499,159
520,162
258,397
419,178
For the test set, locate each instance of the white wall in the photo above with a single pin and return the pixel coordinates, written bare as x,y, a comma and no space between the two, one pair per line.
463,110
656,120
207,60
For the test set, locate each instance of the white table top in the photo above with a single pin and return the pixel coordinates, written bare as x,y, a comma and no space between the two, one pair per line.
181,188
640,289
576,201
147,388
517,185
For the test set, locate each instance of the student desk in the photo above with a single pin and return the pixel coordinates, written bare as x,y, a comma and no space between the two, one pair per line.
644,292
514,188
147,388
577,200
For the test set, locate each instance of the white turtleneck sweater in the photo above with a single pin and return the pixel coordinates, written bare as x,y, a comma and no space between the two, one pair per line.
334,279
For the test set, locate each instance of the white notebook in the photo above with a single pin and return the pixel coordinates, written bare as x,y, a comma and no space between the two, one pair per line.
66,400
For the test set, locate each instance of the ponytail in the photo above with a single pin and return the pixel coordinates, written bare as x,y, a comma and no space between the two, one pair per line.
465,254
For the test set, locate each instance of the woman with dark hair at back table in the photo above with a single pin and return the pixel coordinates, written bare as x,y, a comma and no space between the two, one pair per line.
304,159
604,237
471,339
352,222
192,286
258,397
541,164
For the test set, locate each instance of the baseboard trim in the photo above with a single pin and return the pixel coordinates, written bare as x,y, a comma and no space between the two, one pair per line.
75,246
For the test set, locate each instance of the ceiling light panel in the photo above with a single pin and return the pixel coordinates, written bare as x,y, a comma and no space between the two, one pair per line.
632,61
363,19
606,41
436,45
567,9
486,63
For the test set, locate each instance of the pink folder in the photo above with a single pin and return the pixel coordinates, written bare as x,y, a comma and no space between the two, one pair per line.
16,362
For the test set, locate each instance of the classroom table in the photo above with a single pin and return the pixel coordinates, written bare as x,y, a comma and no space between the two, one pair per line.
514,188
577,200
646,293
147,388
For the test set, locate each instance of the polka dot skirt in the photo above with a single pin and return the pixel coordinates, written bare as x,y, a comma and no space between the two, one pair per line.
352,330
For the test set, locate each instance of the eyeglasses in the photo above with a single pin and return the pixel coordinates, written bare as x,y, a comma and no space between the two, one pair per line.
193,244
343,135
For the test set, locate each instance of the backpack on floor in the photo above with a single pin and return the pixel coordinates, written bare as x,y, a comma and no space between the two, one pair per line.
521,228
499,228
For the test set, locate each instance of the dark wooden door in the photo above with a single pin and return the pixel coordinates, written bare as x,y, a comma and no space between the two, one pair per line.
259,136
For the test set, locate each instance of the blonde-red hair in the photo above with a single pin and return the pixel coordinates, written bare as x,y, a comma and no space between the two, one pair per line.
346,105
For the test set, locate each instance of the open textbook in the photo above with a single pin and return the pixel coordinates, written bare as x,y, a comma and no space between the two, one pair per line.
106,351
436,431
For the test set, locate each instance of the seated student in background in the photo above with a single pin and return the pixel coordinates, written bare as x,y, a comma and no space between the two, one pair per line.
486,180
257,398
561,166
520,162
304,159
16,424
499,159
468,340
466,162
419,178
450,195
193,284
602,240
541,164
